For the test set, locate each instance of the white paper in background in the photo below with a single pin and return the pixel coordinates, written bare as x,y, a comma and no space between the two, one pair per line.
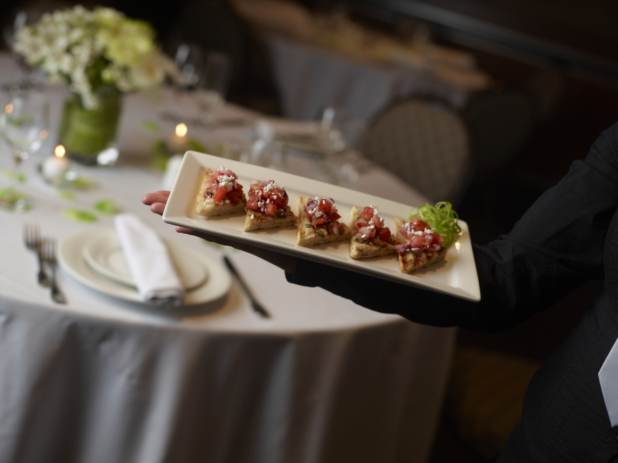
149,262
608,377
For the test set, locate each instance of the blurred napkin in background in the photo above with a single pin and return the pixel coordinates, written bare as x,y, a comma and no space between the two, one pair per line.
149,262
171,171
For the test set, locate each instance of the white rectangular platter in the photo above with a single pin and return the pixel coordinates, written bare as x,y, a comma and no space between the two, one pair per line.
456,275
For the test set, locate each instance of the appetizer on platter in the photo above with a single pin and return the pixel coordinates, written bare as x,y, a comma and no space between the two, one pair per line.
267,206
370,237
417,245
220,194
318,222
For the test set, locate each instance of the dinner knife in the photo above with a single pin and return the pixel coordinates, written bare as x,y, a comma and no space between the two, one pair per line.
257,307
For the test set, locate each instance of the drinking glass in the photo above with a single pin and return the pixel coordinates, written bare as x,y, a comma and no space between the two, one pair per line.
190,60
215,80
24,126
30,77
338,133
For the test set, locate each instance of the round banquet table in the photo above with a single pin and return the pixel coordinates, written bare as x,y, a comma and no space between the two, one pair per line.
102,379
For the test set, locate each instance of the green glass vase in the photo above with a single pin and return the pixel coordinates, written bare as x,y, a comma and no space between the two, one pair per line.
89,135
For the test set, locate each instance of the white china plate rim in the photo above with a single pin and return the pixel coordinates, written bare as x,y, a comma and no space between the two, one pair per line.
71,261
455,276
103,252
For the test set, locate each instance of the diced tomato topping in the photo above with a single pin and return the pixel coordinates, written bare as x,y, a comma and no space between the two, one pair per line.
234,196
418,225
223,185
385,234
370,226
420,236
220,195
321,212
271,209
366,214
267,197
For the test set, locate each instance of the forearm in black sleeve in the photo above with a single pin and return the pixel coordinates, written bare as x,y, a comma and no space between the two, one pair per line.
556,247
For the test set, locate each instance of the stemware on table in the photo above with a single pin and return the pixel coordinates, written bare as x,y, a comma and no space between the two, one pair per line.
24,126
214,84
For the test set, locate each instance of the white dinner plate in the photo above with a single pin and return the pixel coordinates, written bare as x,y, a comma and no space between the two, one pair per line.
71,260
455,275
103,252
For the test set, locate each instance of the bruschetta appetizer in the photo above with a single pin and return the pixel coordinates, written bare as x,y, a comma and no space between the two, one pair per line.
220,194
267,206
370,238
417,245
318,222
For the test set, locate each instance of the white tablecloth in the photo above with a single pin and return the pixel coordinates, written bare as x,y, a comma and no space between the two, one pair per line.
103,380
311,78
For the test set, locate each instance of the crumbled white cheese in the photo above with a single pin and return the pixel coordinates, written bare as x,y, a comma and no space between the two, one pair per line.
227,182
271,186
252,216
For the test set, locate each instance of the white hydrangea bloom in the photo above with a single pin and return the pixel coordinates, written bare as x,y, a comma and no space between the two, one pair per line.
69,44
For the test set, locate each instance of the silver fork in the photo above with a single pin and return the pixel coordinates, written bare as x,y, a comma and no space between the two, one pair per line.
32,239
49,257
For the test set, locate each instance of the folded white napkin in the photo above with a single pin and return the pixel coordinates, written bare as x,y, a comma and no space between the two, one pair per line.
149,262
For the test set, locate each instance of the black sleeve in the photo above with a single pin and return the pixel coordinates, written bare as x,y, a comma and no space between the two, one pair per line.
556,247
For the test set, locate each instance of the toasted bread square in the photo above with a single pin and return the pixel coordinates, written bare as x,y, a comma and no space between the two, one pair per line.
372,248
307,235
208,207
256,220
408,261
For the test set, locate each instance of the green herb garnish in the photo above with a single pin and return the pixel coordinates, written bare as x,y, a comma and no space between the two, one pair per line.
441,218
320,234
150,126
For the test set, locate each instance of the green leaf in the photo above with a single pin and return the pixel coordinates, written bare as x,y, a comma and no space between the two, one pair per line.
319,232
194,145
308,225
150,126
83,183
159,162
66,194
21,178
159,148
79,215
105,206
10,195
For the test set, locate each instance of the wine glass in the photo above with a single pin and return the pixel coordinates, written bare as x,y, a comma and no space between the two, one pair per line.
338,133
23,16
190,59
213,88
24,126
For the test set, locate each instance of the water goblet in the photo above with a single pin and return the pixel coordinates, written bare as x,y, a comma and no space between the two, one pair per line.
213,89
24,126
338,133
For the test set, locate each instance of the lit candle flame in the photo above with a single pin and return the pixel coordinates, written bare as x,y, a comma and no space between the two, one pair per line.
59,151
8,108
181,129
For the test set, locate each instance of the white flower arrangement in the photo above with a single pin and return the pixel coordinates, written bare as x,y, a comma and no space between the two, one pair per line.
89,49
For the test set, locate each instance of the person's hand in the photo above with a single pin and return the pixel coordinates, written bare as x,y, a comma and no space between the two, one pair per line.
157,202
